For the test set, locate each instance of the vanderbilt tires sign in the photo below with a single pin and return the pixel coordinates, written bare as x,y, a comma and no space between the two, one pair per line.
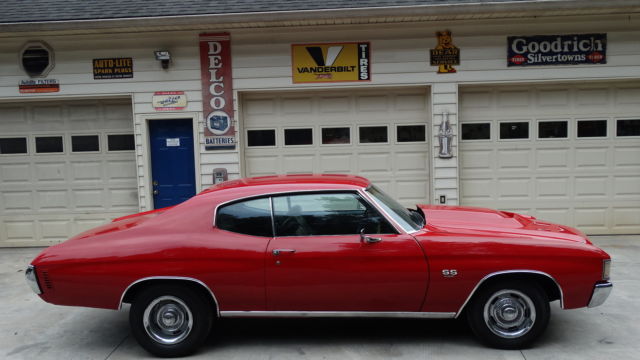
331,62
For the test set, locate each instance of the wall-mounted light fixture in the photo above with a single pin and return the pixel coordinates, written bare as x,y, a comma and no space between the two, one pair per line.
164,57
445,135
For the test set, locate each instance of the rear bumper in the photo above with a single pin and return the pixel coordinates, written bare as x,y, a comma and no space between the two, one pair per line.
600,294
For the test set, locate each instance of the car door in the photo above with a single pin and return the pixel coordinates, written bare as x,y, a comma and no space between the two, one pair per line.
320,261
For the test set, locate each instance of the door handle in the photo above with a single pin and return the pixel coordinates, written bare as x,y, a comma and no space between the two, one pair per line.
156,192
368,239
277,252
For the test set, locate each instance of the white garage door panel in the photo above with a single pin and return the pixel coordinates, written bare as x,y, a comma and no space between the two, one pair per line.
589,183
399,167
46,198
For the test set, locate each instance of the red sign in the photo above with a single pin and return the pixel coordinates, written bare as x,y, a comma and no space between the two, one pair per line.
39,86
217,91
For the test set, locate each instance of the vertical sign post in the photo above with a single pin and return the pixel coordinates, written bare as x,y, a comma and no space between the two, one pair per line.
217,91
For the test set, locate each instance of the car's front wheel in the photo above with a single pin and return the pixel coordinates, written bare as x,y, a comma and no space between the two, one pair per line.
170,320
509,315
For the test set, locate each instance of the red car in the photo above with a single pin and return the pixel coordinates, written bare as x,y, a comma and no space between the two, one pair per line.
322,245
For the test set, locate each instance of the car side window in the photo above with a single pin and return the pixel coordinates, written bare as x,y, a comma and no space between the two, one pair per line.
250,217
327,214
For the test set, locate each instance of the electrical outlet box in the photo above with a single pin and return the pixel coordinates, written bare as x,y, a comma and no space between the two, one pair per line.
443,199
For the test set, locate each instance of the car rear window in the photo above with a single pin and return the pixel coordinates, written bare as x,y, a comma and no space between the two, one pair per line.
250,217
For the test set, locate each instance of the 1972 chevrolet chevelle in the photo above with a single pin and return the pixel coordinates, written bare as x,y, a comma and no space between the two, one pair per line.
322,245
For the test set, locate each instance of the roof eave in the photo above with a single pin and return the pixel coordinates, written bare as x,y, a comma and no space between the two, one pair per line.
313,17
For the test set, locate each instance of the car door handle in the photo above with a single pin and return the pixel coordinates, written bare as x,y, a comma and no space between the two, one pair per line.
368,239
277,252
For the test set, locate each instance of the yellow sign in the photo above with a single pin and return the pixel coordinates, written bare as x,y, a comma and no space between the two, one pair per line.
331,62
445,54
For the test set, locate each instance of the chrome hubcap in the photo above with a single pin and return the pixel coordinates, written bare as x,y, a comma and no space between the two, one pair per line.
167,320
509,313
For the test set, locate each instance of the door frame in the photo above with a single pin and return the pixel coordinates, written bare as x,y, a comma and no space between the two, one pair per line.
143,153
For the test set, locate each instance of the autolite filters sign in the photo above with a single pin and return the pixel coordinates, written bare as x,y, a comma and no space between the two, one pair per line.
217,91
331,62
557,49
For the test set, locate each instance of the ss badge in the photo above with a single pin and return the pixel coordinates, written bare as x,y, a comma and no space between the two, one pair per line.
449,272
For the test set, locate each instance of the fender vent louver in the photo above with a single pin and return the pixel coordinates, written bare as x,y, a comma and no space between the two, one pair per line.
47,280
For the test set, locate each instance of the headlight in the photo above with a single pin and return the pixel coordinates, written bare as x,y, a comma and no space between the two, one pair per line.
606,269
32,279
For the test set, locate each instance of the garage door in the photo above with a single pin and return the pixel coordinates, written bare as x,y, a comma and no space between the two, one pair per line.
64,167
565,153
379,134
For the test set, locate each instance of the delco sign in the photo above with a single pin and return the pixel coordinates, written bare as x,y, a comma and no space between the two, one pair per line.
557,49
217,91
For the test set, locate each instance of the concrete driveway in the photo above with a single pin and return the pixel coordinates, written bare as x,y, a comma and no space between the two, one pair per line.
32,329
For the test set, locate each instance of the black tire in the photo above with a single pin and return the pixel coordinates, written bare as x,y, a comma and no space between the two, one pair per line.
509,315
187,320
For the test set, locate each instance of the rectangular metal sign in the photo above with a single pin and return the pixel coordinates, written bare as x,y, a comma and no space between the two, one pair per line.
114,68
32,86
169,100
331,62
557,49
217,91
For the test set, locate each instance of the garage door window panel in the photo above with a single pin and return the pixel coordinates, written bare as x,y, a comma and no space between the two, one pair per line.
85,143
13,146
514,130
373,134
49,144
411,133
120,142
476,131
250,217
336,136
324,214
628,127
592,128
261,137
298,137
553,129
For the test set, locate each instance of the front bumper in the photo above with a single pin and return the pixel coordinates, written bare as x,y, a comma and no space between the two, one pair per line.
600,294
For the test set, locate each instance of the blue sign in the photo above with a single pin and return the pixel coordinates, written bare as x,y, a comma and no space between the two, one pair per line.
557,49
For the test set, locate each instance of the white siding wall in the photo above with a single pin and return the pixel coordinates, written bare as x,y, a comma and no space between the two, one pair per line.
261,61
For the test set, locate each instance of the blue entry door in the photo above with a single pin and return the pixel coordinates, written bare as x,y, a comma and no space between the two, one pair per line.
172,165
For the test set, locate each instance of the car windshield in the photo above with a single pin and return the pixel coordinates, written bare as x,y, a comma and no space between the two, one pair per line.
399,213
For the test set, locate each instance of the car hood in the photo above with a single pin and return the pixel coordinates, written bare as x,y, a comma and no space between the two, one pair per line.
464,218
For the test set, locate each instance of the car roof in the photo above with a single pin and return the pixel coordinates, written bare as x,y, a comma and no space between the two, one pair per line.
294,182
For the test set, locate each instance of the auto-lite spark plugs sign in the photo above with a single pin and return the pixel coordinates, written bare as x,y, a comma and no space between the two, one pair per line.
217,91
331,62
557,49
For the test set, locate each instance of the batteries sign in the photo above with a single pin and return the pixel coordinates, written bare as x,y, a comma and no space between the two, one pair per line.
217,91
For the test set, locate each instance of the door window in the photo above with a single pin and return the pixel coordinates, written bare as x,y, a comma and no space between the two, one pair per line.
250,217
326,214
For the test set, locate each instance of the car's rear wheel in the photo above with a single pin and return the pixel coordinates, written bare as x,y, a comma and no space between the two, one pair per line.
170,320
509,315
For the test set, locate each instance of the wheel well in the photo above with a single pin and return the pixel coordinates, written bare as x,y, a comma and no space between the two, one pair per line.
133,290
548,284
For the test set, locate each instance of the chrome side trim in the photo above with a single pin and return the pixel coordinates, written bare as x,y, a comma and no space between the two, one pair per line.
510,272
316,314
170,278
600,294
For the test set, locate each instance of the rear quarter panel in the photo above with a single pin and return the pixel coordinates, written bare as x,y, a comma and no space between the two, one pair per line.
96,270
